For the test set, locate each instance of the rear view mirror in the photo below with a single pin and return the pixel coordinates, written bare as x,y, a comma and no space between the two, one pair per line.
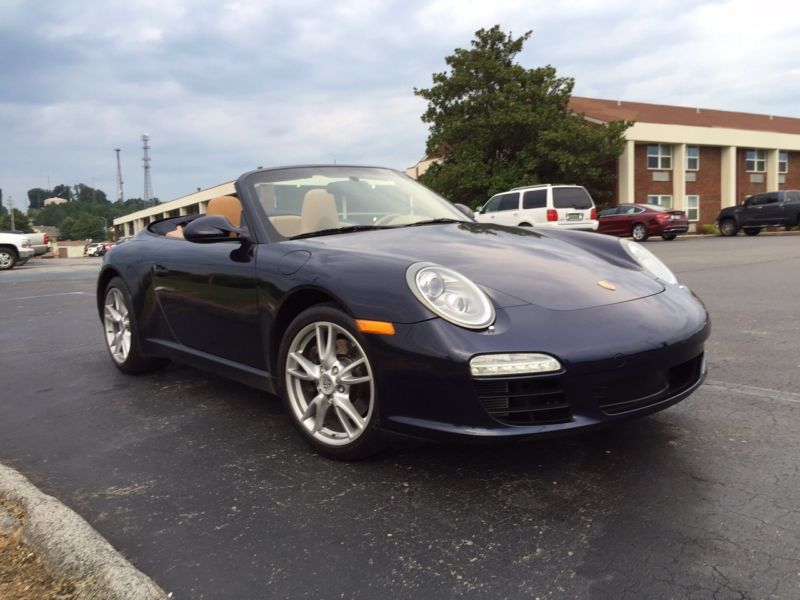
465,209
210,229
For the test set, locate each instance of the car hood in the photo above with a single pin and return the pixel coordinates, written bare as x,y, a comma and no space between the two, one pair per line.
531,267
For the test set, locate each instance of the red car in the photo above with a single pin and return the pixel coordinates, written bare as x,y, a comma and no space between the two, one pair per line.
640,221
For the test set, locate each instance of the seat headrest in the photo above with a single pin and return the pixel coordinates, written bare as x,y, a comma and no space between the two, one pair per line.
319,211
227,206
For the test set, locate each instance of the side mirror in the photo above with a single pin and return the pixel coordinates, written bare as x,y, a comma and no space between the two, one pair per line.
465,209
210,229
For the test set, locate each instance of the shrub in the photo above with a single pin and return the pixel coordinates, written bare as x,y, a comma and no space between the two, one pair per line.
709,230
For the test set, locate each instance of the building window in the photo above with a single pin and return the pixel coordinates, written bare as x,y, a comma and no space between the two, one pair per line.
692,158
756,161
783,161
659,156
693,207
660,200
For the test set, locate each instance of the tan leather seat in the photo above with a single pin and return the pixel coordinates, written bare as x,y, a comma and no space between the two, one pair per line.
228,207
319,212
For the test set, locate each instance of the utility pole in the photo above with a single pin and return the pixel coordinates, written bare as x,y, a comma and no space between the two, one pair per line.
148,184
120,193
11,212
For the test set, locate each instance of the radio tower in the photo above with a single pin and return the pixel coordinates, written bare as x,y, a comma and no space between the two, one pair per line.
120,193
148,185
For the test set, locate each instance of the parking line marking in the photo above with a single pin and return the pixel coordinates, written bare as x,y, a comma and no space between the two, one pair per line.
757,392
52,295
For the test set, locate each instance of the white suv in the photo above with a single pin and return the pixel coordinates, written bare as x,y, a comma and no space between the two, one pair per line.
563,206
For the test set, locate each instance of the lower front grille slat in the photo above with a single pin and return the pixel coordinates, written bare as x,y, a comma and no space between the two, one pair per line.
632,392
525,400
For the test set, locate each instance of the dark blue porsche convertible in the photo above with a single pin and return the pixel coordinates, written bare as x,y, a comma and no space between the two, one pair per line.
375,308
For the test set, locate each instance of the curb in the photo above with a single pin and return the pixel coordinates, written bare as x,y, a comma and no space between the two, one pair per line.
70,547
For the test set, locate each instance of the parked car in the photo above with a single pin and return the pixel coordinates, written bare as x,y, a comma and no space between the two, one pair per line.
104,248
377,311
15,250
40,242
563,206
640,221
92,248
771,209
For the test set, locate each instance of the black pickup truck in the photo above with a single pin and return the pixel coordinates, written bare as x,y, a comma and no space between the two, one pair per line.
770,209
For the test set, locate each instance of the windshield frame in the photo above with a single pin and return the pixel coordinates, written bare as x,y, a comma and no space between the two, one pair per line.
246,188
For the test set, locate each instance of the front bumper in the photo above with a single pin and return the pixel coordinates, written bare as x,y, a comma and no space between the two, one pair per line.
620,361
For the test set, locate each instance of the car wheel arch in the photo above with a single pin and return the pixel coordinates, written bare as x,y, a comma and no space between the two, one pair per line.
102,283
289,309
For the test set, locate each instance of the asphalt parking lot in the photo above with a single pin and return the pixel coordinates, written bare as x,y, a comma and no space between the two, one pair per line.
204,486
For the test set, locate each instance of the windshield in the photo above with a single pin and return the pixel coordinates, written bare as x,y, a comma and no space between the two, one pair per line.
308,201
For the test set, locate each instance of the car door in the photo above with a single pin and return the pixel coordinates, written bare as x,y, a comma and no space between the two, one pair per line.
750,212
772,209
502,209
209,298
607,220
627,215
508,211
486,213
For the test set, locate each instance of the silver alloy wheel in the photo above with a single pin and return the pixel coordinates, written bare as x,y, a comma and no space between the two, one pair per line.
6,259
329,383
117,325
639,232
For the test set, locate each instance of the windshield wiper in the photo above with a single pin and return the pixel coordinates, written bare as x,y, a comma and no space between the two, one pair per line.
335,230
434,221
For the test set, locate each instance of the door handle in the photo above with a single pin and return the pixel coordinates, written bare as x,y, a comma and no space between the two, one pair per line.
160,271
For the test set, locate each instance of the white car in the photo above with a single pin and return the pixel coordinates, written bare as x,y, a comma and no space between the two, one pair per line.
562,206
15,249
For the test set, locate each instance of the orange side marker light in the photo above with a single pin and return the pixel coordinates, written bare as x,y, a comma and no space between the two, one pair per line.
379,327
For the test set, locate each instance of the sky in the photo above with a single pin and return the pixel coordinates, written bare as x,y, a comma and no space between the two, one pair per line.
225,86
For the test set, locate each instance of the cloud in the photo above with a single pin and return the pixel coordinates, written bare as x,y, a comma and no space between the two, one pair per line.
225,86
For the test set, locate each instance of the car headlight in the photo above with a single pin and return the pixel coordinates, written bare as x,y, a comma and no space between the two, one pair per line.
450,295
648,261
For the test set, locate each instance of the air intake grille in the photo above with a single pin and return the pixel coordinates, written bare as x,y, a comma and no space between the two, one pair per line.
525,400
635,391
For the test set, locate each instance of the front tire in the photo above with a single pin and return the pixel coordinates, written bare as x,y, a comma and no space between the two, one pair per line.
639,232
669,236
751,231
8,258
327,384
122,333
728,227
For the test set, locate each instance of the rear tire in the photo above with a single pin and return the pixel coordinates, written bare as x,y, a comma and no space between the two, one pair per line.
329,392
122,332
728,227
8,258
669,236
639,232
751,231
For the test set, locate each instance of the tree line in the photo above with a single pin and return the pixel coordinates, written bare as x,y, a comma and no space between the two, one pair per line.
86,214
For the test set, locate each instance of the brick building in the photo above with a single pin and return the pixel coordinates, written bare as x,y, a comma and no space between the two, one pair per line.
725,156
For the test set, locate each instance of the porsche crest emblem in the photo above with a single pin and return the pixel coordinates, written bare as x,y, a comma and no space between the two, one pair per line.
607,285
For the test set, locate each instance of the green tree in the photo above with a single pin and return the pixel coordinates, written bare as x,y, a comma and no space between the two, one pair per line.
83,226
500,125
62,191
37,196
87,194
21,222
